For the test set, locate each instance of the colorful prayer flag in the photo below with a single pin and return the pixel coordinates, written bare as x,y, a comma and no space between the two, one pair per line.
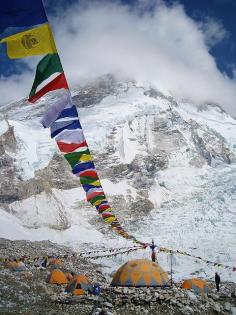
70,147
54,110
82,167
68,113
74,157
71,136
93,194
87,188
89,173
37,41
58,83
58,127
49,65
17,13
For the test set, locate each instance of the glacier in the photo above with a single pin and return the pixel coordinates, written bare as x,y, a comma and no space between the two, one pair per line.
168,167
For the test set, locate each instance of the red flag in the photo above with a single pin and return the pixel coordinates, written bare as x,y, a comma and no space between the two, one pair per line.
58,83
70,147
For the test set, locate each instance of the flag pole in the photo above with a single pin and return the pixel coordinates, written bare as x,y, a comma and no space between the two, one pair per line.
171,267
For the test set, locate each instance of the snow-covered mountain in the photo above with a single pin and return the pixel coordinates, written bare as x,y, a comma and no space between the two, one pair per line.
167,166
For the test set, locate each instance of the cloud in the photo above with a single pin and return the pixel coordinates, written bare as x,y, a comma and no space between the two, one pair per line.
15,87
213,31
152,42
18,86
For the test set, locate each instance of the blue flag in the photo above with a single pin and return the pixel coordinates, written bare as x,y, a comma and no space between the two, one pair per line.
17,13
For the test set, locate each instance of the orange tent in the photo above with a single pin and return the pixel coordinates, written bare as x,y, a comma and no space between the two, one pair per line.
78,285
199,286
140,273
68,276
57,277
10,264
15,265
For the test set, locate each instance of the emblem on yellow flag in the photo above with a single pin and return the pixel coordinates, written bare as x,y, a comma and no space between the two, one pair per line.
37,41
29,41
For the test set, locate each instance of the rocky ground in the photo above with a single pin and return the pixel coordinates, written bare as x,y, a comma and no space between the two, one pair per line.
28,293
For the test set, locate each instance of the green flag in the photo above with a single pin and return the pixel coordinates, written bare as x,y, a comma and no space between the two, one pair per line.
75,157
46,67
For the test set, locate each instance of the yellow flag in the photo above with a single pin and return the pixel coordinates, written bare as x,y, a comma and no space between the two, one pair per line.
37,41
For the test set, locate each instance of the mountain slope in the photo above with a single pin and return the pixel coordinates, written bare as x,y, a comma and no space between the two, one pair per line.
167,166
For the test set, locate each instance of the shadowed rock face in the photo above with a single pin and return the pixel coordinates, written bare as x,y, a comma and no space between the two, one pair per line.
93,93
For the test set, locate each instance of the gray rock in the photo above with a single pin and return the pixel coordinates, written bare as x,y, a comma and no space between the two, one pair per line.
156,294
227,306
217,307
125,290
108,305
97,311
173,301
191,295
215,297
188,310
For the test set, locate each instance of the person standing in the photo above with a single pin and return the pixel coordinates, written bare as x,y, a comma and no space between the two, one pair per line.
217,280
153,256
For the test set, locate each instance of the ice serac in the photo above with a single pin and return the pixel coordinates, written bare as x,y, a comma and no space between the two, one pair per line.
165,164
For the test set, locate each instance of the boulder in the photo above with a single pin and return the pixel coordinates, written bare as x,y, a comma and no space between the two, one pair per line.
108,305
227,306
191,295
217,307
187,310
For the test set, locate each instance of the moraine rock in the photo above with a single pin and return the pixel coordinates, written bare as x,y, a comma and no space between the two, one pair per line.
187,310
191,295
227,306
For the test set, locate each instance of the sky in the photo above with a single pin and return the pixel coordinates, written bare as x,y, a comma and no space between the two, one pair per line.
185,47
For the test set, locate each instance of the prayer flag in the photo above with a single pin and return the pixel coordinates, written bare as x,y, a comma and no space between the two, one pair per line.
93,194
76,157
71,136
68,113
58,83
89,173
70,147
57,128
54,110
88,187
49,65
82,166
37,41
17,13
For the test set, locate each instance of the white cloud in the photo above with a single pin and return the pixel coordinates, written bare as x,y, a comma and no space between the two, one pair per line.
163,46
15,87
18,86
213,31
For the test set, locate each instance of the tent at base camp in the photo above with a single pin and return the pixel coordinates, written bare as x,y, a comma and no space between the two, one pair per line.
78,285
15,265
140,273
199,286
57,277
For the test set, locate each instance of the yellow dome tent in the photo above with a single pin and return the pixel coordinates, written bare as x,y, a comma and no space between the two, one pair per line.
199,286
140,273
